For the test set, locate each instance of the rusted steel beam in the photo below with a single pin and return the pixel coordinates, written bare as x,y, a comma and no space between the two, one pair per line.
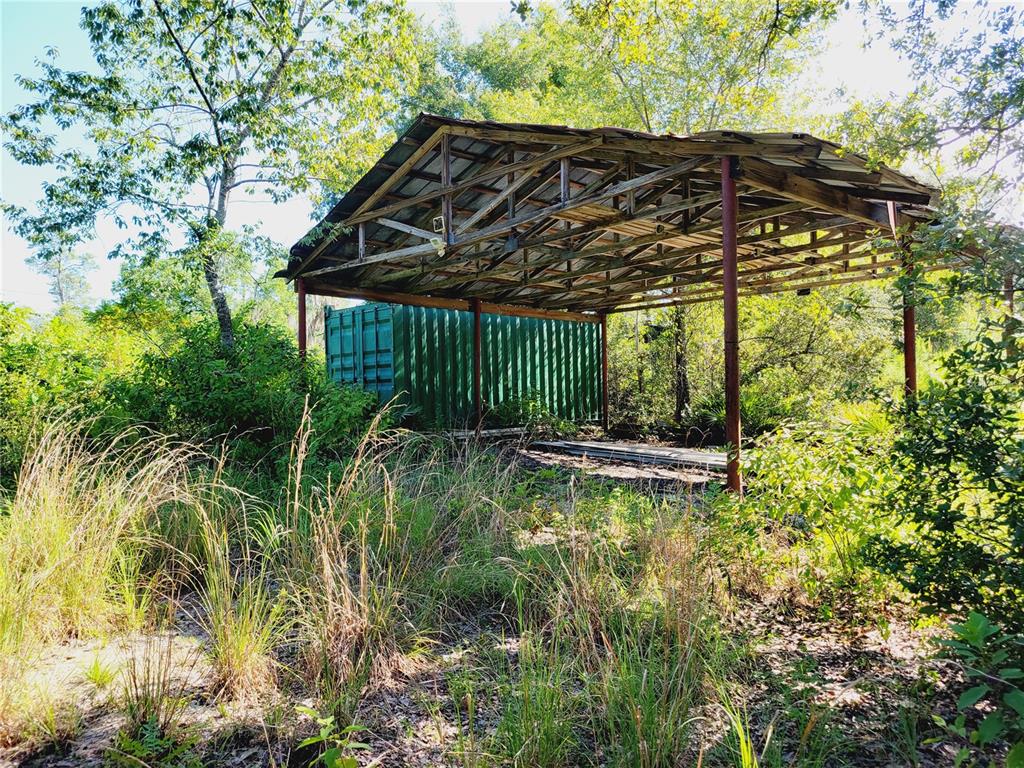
478,400
730,204
604,372
441,302
300,291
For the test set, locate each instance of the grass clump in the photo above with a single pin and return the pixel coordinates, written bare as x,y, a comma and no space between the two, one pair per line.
538,726
243,617
73,523
154,696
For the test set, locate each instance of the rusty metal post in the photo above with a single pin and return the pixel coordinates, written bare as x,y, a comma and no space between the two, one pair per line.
300,290
909,348
604,372
730,205
909,332
478,401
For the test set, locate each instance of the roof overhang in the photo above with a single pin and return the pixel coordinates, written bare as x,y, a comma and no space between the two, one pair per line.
555,218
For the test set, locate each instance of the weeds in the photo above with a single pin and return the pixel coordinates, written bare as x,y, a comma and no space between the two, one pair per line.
154,685
242,616
55,725
537,728
99,674
73,522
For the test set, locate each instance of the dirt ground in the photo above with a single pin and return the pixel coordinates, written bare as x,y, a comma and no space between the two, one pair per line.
859,687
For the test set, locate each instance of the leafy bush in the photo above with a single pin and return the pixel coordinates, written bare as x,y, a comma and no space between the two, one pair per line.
532,412
764,405
992,661
959,460
254,394
55,366
817,486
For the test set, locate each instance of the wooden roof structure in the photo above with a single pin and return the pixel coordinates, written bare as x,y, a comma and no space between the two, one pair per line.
560,219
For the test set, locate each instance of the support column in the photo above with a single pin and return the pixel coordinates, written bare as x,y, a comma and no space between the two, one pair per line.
730,205
446,182
909,319
478,402
909,334
604,372
300,289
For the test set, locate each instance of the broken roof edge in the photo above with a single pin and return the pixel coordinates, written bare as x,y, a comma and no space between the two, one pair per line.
426,126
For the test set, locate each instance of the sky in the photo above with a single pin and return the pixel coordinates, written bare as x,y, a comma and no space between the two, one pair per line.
844,64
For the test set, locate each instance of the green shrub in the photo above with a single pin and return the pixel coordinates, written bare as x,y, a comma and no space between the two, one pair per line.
764,405
992,661
532,412
815,487
51,368
959,460
254,394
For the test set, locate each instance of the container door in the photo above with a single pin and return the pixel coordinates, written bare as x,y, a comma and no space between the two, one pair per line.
359,347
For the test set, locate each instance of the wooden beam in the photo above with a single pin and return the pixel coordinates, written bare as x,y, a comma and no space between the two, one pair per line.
780,180
380,191
713,270
407,228
464,184
400,171
703,297
441,302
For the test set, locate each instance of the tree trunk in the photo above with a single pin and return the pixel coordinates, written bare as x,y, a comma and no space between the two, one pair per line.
682,366
220,301
639,358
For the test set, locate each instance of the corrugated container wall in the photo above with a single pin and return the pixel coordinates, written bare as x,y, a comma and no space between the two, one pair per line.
425,356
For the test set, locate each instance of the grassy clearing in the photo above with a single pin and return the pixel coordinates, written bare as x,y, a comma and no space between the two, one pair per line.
599,610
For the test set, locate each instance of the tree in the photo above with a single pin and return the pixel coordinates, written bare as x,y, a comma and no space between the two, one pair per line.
959,464
679,66
66,271
194,102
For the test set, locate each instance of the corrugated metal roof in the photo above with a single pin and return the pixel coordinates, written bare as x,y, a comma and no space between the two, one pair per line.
568,254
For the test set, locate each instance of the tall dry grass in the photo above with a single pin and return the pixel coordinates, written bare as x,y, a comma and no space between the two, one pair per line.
371,554
72,541
76,527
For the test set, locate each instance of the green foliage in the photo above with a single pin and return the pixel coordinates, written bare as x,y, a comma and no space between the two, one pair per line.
192,102
532,412
50,367
992,708
800,355
99,674
817,486
253,394
958,460
334,743
659,67
150,746
536,728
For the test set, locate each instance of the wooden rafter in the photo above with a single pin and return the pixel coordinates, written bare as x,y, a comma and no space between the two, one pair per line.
562,219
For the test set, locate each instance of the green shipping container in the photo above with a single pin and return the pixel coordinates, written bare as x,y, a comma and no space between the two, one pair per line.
425,357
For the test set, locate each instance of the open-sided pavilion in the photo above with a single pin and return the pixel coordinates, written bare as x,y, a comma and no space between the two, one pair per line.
551,221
